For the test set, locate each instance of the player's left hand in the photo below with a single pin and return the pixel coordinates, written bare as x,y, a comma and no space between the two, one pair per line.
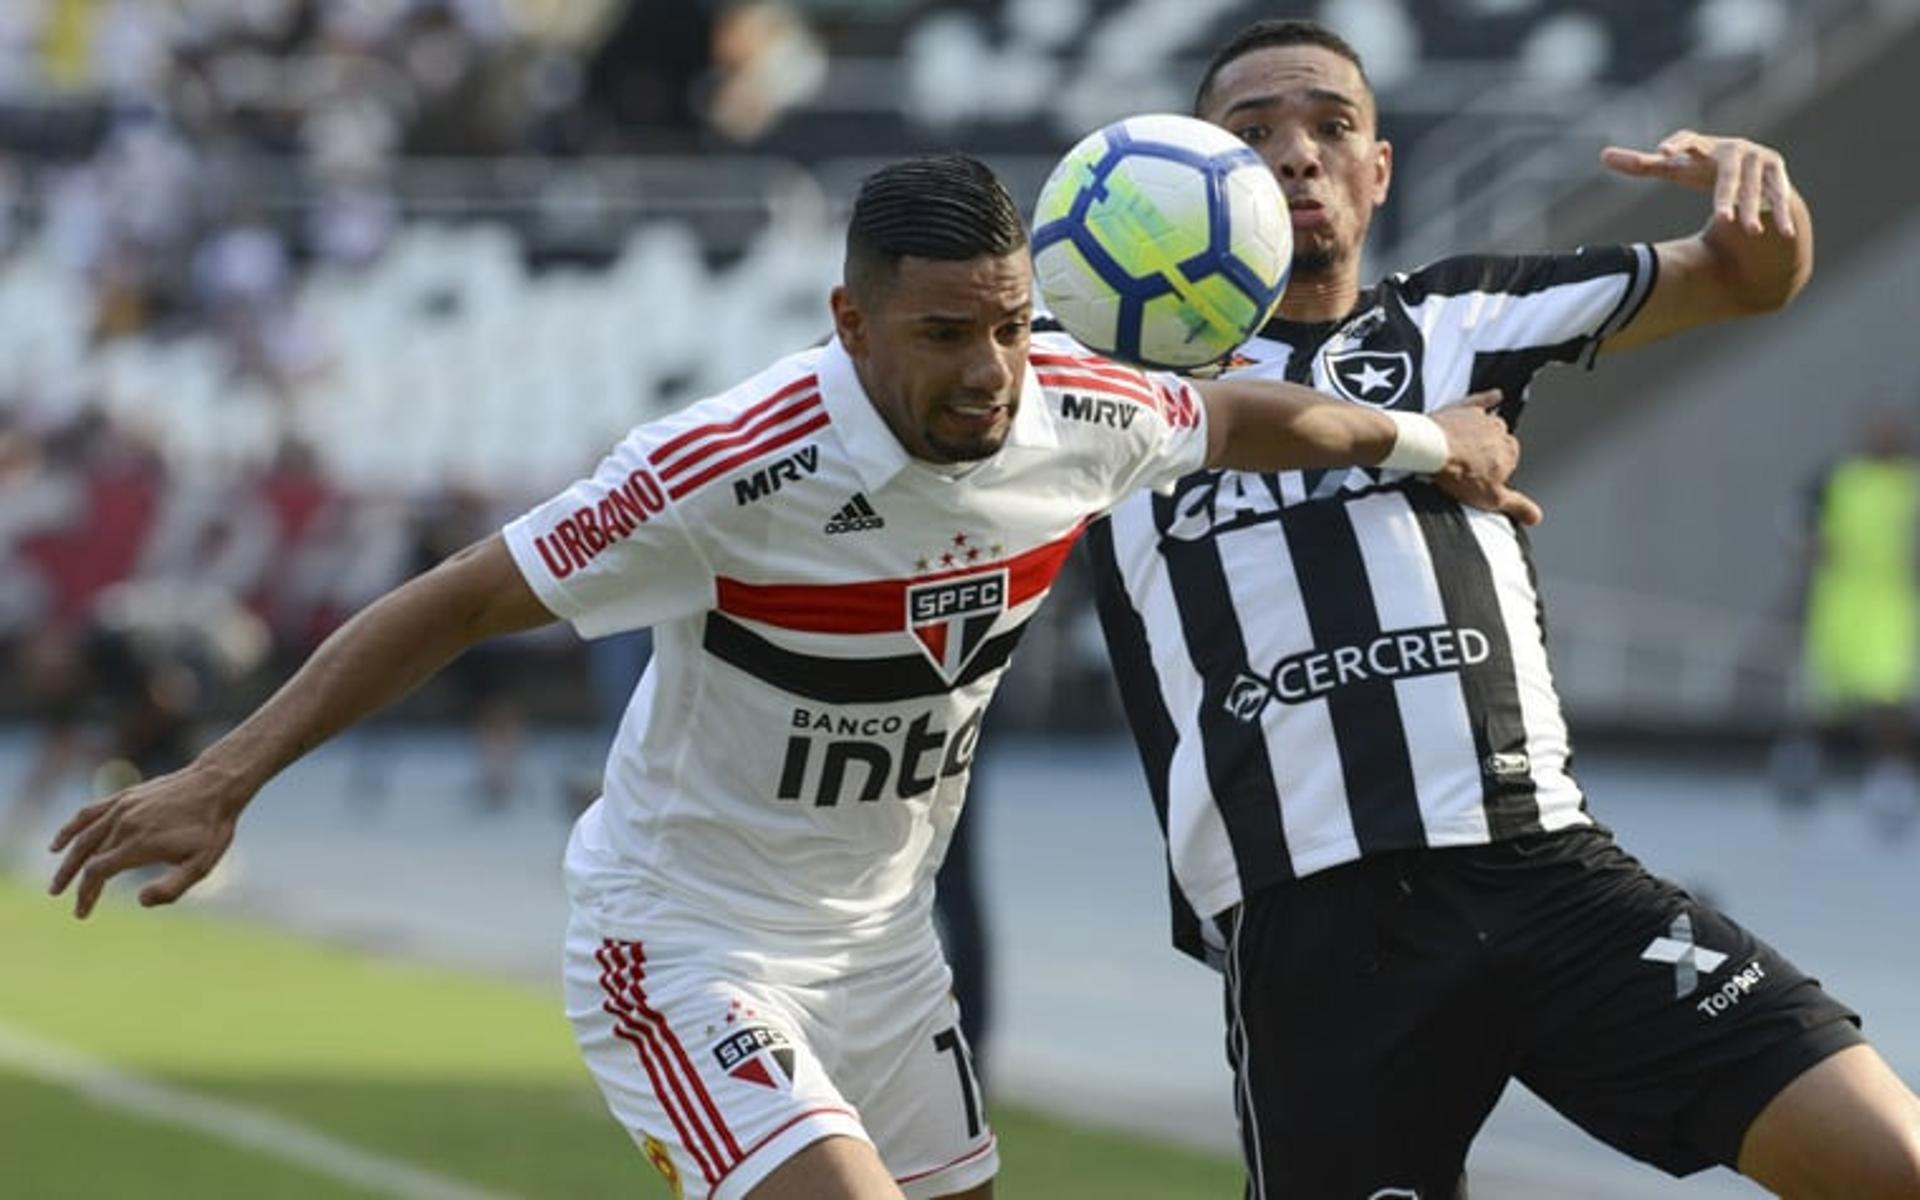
1482,454
1748,180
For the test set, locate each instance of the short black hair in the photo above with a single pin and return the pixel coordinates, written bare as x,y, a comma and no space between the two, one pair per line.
948,207
1260,35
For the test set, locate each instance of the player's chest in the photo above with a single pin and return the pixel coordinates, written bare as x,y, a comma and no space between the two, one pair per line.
1383,357
820,522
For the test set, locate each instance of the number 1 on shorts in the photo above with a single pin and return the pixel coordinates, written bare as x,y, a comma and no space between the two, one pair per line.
947,1041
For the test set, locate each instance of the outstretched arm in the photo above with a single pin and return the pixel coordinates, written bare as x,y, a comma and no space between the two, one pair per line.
186,819
1753,256
1266,425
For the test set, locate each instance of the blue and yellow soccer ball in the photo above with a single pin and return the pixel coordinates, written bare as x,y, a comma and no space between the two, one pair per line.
1161,240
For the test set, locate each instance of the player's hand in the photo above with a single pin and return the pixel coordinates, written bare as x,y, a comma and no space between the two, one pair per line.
1481,455
184,820
1748,180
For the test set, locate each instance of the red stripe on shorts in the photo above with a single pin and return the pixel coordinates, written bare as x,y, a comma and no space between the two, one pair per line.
666,1087
639,996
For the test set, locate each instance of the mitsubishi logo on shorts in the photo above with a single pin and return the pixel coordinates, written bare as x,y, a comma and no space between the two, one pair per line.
950,617
1689,961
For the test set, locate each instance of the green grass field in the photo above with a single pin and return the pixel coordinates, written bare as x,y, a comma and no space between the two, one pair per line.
468,1078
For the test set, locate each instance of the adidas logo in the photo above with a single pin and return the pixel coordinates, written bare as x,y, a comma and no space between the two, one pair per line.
856,516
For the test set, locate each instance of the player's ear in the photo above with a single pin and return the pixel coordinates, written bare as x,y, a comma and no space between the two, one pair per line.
848,321
1382,170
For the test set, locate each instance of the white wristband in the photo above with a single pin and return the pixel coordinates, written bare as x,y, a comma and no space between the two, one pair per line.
1419,444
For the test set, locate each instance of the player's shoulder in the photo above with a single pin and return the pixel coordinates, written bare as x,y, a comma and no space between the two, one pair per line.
1509,275
1085,389
772,414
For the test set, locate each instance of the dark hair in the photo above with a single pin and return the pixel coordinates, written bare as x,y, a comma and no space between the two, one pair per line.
949,207
1275,32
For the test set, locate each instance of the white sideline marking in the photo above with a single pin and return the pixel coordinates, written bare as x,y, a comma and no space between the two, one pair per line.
247,1127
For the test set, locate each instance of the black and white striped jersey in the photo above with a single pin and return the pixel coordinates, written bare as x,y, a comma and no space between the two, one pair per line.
1323,665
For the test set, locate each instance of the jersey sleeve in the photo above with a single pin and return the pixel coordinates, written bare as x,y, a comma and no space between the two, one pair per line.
1147,428
1176,444
1519,312
613,551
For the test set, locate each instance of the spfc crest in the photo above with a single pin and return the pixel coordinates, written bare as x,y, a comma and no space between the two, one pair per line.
950,617
757,1054
1375,378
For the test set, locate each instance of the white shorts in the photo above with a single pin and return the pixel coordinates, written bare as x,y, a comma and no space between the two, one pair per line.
724,1064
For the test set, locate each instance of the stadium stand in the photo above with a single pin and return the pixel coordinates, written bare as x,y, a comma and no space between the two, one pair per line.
464,245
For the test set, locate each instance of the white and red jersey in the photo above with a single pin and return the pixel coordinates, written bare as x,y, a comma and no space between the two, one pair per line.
830,618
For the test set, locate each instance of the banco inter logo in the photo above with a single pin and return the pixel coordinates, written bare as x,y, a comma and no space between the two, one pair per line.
856,516
950,617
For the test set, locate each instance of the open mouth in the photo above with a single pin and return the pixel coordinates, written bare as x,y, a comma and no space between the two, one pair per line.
1306,213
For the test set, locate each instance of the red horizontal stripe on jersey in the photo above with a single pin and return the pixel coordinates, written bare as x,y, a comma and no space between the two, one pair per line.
1136,392
880,605
1085,362
707,449
667,448
765,446
1105,368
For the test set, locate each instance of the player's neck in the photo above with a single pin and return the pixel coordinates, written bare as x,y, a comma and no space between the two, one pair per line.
1318,298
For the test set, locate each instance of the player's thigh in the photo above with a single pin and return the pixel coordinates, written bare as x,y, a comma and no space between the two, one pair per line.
834,1168
1655,1022
1366,1054
1845,1127
902,1060
716,1078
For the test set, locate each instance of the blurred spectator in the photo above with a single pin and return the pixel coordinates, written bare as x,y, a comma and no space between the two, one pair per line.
483,677
1863,621
766,60
642,79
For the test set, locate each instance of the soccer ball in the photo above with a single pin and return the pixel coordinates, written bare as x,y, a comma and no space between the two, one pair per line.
1161,240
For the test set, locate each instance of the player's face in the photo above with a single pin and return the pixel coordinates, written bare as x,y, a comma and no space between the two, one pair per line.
1308,113
942,351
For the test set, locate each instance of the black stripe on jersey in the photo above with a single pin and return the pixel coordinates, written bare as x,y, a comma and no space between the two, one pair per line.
1491,688
1367,728
1540,623
846,680
1153,731
1512,370
1238,770
1516,275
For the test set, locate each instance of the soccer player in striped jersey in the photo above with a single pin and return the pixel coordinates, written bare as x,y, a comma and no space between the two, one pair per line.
837,557
1338,681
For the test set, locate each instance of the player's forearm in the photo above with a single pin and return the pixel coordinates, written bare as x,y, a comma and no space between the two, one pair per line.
383,653
1762,272
1265,425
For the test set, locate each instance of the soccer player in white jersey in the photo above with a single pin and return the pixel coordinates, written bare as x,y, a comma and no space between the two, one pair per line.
1339,684
836,558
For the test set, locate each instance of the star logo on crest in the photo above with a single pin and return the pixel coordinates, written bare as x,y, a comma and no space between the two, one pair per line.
1375,378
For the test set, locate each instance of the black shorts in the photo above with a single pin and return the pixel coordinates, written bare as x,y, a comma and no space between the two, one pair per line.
1375,1012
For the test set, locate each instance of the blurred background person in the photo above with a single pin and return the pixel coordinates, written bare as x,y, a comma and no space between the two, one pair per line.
1862,624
